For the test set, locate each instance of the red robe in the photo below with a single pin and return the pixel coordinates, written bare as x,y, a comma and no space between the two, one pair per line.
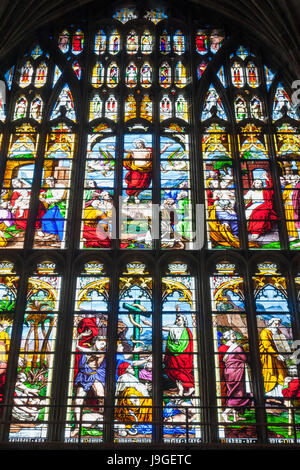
85,324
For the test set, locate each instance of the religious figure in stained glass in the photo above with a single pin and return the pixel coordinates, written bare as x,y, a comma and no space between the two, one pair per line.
283,102
131,75
98,75
26,75
8,295
16,189
216,39
165,75
112,77
290,187
132,43
237,75
233,368
99,183
180,77
165,108
176,221
252,75
165,43
54,193
65,104
213,104
96,108
146,75
133,378
275,349
41,75
21,108
88,371
114,42
77,42
179,43
260,210
100,42
146,43
138,162
140,118
256,108
36,108
64,41
111,108
130,108
232,355
30,411
202,42
180,371
240,108
53,219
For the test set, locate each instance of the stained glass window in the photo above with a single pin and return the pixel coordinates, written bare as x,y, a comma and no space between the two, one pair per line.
17,185
181,394
213,105
114,42
176,209
99,183
88,359
278,366
9,282
30,412
288,148
64,41
235,394
98,75
100,42
52,212
133,415
126,134
64,105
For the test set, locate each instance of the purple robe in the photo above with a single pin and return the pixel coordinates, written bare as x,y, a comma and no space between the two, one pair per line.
296,205
234,375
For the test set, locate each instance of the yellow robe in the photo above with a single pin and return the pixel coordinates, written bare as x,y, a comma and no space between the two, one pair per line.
125,407
273,370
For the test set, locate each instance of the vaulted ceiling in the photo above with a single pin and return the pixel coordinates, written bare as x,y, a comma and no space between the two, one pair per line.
275,23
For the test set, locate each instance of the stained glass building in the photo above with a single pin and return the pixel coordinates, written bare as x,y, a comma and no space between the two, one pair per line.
149,233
